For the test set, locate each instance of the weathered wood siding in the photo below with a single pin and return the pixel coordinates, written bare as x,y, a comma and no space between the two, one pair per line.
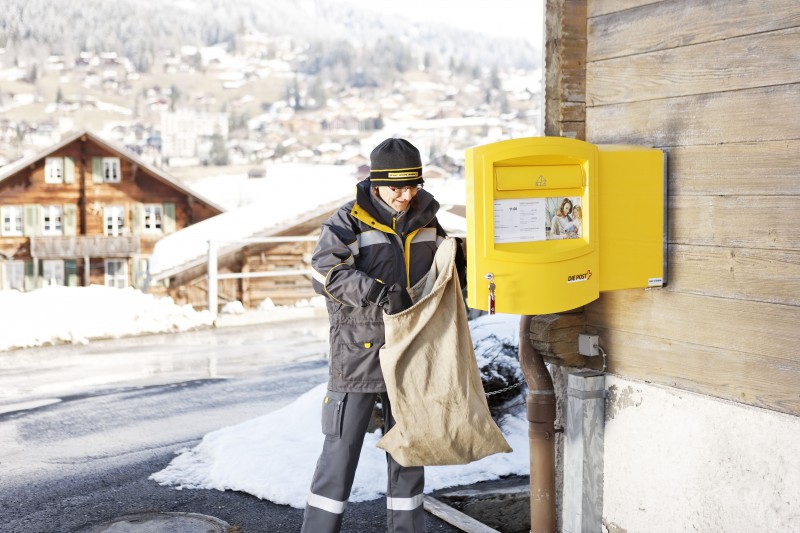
282,290
565,68
716,85
195,291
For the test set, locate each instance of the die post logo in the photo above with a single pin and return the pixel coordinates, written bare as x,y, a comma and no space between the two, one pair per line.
575,278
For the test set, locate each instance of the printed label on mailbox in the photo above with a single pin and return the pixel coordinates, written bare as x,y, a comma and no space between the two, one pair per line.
537,219
519,220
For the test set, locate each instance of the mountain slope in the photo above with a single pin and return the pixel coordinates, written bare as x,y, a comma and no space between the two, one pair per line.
137,27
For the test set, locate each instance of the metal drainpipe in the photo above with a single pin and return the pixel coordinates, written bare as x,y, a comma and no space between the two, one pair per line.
541,405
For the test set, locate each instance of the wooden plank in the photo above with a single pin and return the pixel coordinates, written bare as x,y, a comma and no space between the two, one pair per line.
770,276
763,222
724,373
748,115
741,169
454,517
604,7
757,328
738,63
664,25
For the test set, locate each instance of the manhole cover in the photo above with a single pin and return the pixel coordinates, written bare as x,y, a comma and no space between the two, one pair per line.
161,523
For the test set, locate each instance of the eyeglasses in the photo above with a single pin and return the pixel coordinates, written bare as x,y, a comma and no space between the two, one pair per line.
410,188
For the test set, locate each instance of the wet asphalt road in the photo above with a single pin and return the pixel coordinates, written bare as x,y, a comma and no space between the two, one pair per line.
84,455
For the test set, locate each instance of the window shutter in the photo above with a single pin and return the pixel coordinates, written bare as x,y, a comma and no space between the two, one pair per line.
30,275
97,170
71,273
33,220
139,271
70,219
168,224
69,170
137,218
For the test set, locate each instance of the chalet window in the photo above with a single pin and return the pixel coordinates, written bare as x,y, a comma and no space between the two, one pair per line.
51,220
114,216
53,271
116,273
14,275
12,220
54,170
153,215
111,170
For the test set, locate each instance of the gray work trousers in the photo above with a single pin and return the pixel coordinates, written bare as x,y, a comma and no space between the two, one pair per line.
345,417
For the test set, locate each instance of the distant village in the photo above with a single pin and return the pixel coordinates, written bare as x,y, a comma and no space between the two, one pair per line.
250,107
102,157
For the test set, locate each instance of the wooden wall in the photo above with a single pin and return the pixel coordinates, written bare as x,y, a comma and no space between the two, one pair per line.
716,85
565,69
282,290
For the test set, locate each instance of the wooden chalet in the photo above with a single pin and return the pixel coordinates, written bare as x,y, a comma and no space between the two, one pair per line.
187,283
87,212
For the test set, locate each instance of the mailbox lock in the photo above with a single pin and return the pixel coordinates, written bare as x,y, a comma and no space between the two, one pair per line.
490,278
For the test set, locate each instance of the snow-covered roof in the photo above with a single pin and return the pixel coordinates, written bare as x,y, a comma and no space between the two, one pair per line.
289,195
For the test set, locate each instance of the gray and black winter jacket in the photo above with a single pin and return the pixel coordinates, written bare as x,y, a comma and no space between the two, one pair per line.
363,242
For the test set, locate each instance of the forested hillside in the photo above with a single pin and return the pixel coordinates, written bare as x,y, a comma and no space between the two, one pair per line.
139,29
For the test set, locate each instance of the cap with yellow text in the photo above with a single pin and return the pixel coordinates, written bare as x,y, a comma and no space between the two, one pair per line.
395,162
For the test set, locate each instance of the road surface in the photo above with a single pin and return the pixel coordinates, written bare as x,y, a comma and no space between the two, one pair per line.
83,427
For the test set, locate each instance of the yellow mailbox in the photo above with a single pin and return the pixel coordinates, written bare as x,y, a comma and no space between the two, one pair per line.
552,222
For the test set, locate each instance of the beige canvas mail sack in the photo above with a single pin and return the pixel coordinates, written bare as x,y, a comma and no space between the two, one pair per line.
432,377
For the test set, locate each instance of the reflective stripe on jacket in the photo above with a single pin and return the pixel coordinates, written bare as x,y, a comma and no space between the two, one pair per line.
358,245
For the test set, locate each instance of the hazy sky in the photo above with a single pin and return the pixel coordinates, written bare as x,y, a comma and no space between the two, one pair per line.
517,18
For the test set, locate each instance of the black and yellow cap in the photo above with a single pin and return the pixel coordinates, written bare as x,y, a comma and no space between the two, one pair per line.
395,162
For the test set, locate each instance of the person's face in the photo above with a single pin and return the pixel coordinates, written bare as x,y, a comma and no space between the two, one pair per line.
397,197
566,208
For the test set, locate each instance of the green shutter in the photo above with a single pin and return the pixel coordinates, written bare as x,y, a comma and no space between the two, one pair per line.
137,218
70,219
30,276
97,170
69,170
71,273
139,271
33,220
168,223
135,271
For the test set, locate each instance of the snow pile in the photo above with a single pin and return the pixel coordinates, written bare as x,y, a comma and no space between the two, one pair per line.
54,314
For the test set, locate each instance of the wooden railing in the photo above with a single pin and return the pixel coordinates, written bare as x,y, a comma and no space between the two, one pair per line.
78,246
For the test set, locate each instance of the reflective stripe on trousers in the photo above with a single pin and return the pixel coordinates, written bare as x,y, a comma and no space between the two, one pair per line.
336,467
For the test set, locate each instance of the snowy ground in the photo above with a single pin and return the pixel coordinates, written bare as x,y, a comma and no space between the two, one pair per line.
56,314
272,456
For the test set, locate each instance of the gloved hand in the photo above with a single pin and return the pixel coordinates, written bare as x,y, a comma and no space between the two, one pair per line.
393,298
